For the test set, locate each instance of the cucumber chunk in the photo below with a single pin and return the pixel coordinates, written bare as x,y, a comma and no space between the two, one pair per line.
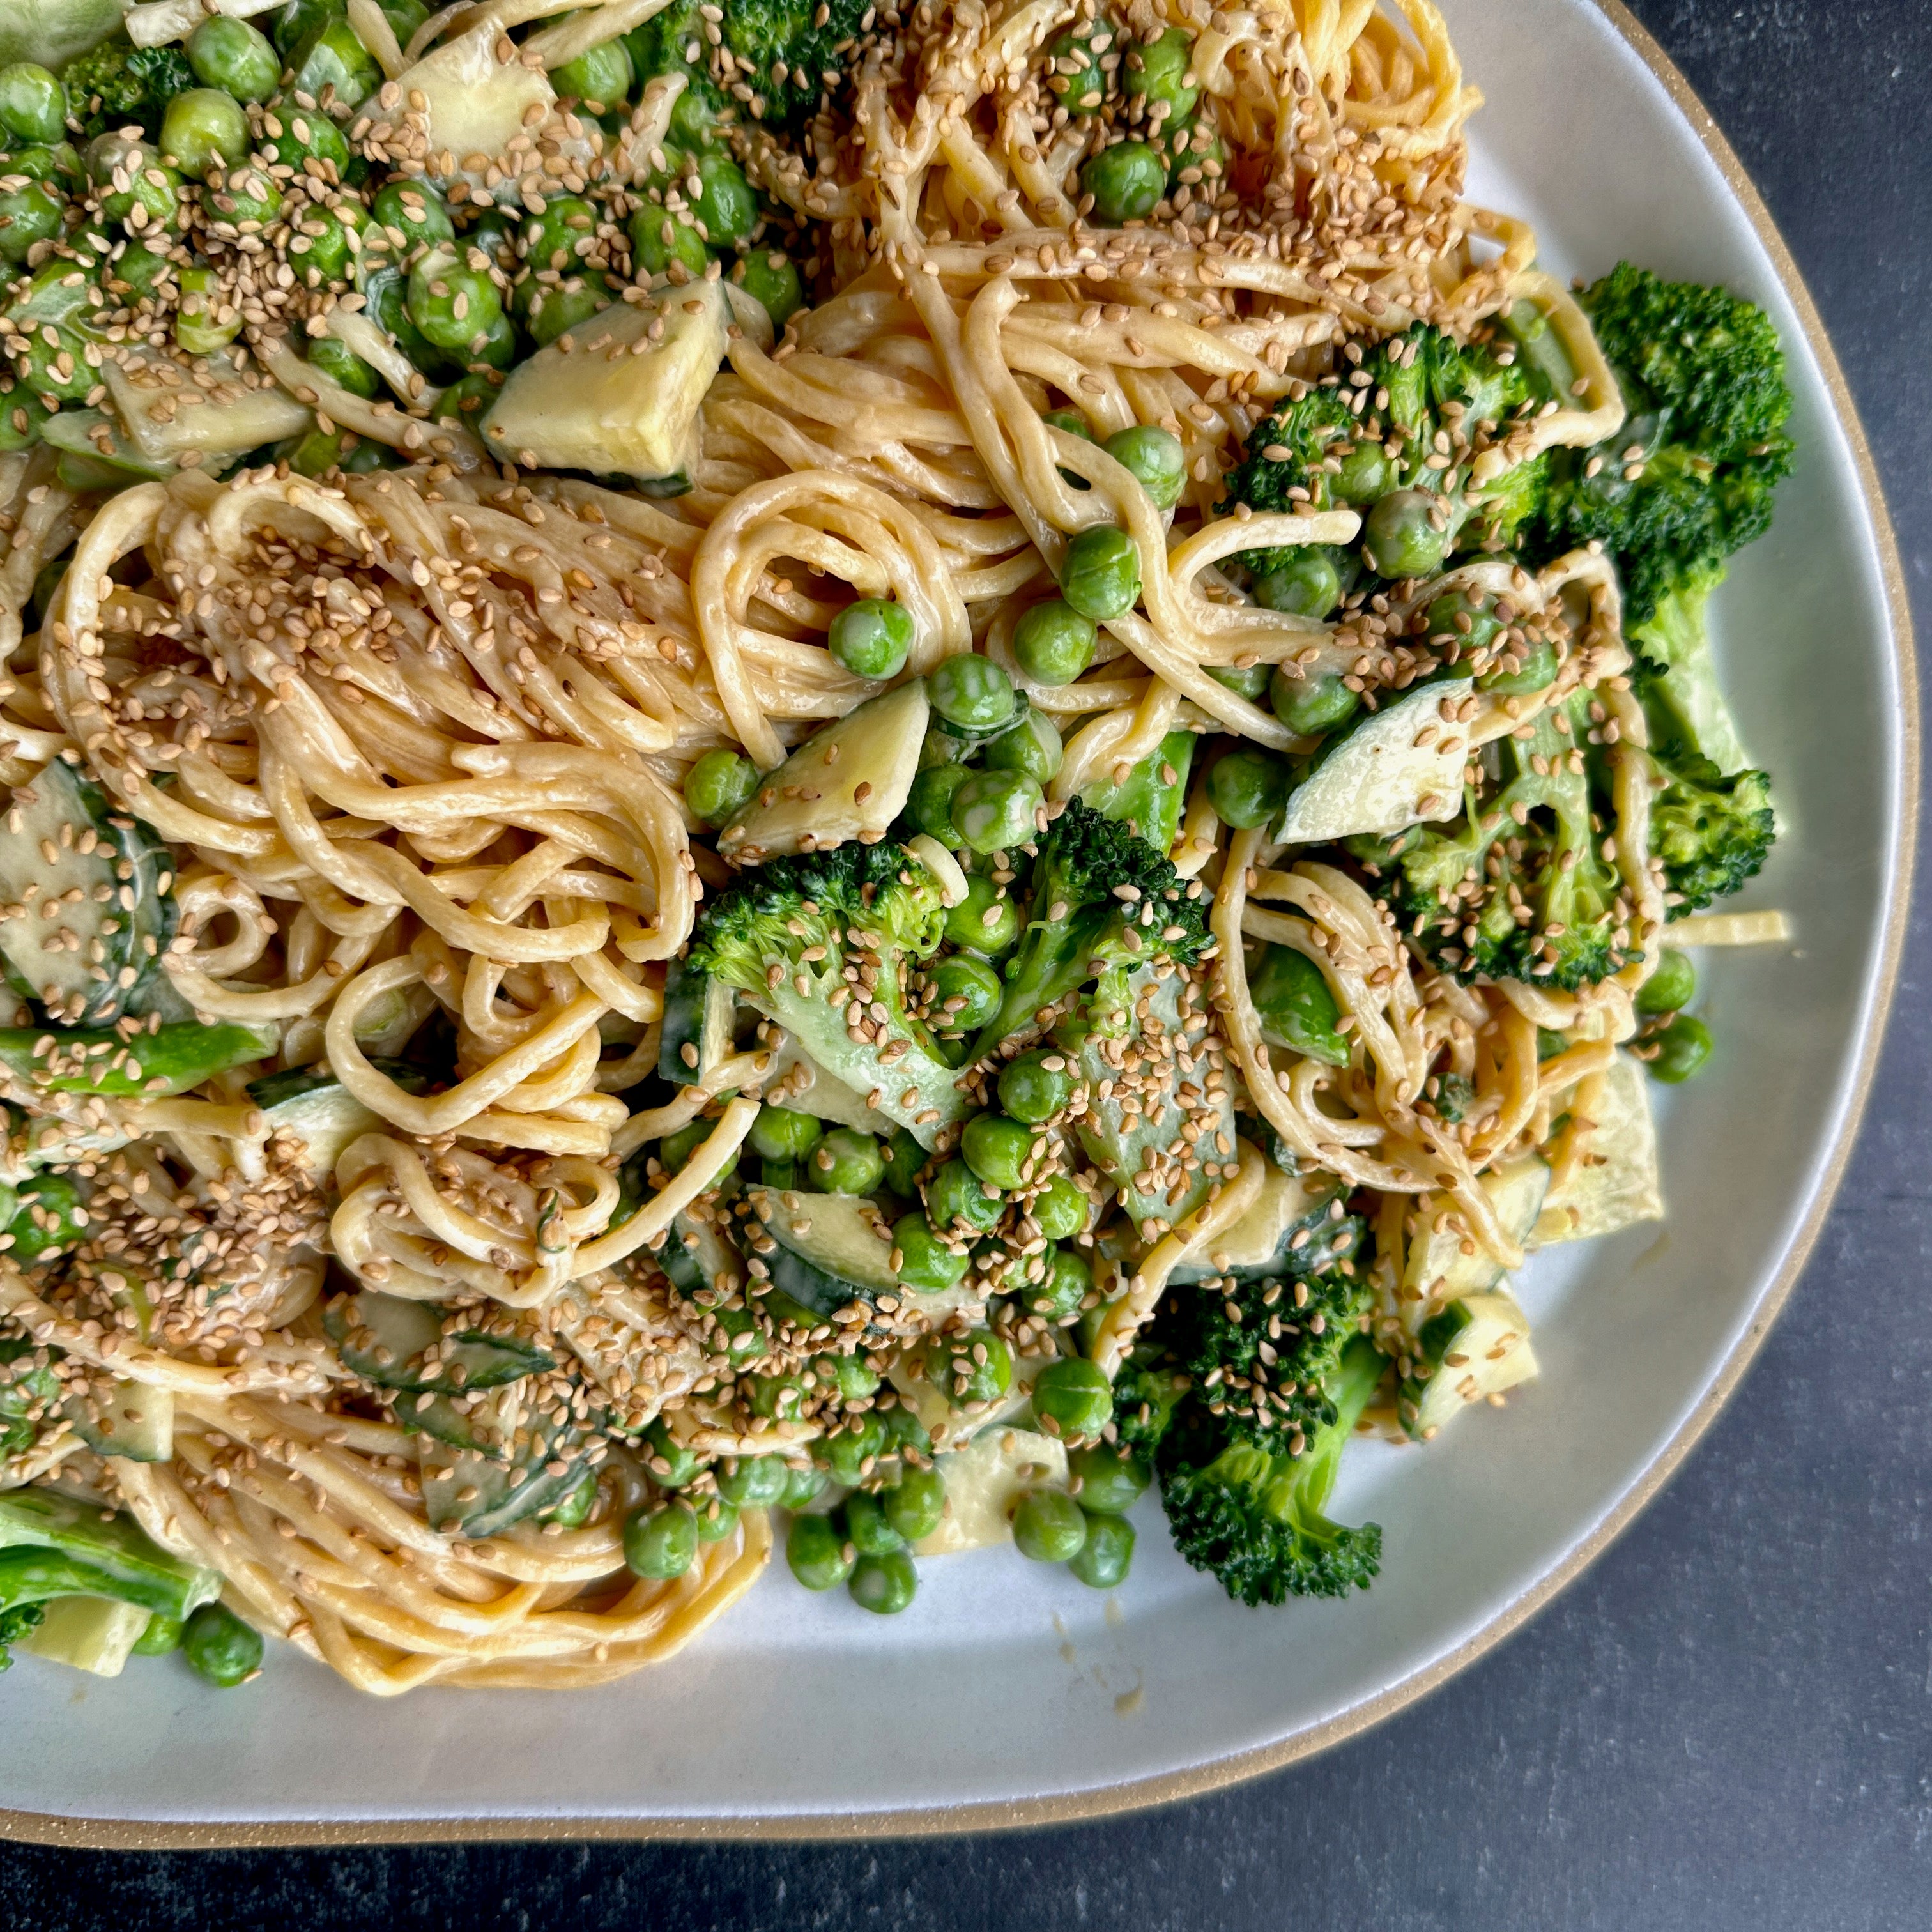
696,1032
1477,1346
321,1113
165,418
91,923
95,1634
985,1482
1622,1186
130,1419
399,1344
849,780
1399,767
1438,1271
828,1252
1263,1242
483,1490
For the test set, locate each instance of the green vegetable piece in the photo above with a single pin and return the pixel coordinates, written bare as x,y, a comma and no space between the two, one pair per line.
1049,1527
468,400
973,692
333,68
219,1647
1296,1006
867,1529
677,1148
1248,786
965,991
883,1585
341,365
1127,181
574,1511
804,1483
49,1218
601,77
1683,1048
1101,577
162,1636
850,1452
659,238
929,803
726,208
33,103
1033,747
1248,681
204,129
247,201
1103,1560
206,320
853,1375
1156,460
321,250
770,276
1061,1210
1054,643
131,185
552,312
846,1162
994,810
561,236
672,1465
872,637
305,141
1074,72
236,58
999,1151
1073,1398
975,1367
716,1519
452,305
816,1550
1307,583
97,1060
1311,707
1111,1482
986,920
925,1261
661,1543
916,1503
29,213
1401,538
1158,74
718,786
1035,1086
904,1158
782,1133
411,215
1672,986
1519,673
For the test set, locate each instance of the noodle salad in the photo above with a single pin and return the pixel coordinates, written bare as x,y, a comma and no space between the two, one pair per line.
807,774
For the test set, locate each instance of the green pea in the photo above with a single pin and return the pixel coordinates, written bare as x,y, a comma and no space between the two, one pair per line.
231,55
850,1452
1049,1526
1682,1048
661,1543
1126,181
1366,473
867,1527
134,270
1105,1558
904,1159
677,1148
1035,1086
1111,1482
219,1647
816,1551
1672,986
1155,459
781,1397
411,215
1197,156
752,1482
1400,538
247,201
59,370
341,365
929,803
670,1463
916,1505
925,1262
659,238
134,186
573,1511
1305,582
726,208
601,77
905,1434
716,1519
467,401
977,1366
804,1483
206,320
1296,1007
161,1635
33,102
966,992
30,213
1248,681
1073,1398
783,1133
555,311
1247,786
332,66
1159,74
872,637
884,1585
1311,707
770,276
998,1150
1065,1279
972,692
1074,72
954,1194
718,786
1061,1210
1101,577
322,450
994,810
452,305
846,1162
562,235
1071,420
1455,615
986,920
1549,1043
324,246
306,142
204,129
1536,670
1033,746
1054,643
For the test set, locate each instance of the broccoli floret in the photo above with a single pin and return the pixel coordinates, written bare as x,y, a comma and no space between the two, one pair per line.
1516,887
1255,1520
117,85
1082,924
1703,377
1146,1389
15,1623
1288,451
783,934
791,52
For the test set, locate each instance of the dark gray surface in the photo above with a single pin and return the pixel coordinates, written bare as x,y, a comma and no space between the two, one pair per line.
1726,1724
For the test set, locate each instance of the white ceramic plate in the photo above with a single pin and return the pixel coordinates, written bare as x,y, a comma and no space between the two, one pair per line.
1011,1695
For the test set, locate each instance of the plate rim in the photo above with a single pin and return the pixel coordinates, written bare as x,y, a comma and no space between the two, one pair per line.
101,1834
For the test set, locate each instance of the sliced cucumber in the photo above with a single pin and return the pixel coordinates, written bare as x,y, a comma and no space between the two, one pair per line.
130,1419
396,1343
849,780
321,1113
49,1217
1263,1242
1399,766
595,405
985,1482
1438,1271
30,1394
482,1492
166,418
97,1060
1477,1346
828,1253
95,1634
92,921
95,439
1620,1185
139,1570
696,1032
